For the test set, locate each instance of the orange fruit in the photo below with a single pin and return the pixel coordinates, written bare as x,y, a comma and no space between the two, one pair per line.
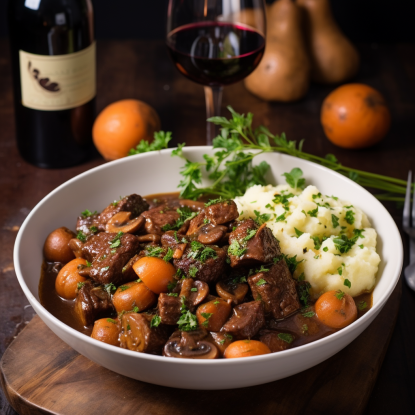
122,125
355,116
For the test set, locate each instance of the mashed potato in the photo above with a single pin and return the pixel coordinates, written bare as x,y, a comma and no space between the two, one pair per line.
332,238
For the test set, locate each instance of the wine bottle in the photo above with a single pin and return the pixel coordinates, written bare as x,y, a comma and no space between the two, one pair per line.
53,62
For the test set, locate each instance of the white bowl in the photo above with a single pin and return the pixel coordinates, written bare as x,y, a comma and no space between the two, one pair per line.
158,172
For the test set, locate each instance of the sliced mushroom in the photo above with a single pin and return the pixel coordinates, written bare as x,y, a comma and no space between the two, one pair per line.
76,246
196,297
178,252
150,237
121,222
211,235
192,204
188,347
230,290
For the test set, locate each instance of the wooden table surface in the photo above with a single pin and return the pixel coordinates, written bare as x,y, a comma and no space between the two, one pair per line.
142,70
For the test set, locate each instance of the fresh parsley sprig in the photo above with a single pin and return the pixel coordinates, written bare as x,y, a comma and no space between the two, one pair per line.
232,171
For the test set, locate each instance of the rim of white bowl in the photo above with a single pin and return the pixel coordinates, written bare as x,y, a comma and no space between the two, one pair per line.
289,352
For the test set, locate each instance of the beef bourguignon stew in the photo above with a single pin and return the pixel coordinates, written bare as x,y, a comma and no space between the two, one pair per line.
184,279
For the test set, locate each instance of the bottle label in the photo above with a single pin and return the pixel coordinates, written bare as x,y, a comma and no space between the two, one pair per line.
57,82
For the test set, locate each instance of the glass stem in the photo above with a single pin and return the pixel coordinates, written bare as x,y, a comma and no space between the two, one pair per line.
213,96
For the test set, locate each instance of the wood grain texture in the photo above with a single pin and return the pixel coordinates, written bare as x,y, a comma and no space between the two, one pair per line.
142,70
41,374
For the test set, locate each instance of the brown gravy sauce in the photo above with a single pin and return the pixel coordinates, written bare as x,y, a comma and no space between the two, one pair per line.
305,329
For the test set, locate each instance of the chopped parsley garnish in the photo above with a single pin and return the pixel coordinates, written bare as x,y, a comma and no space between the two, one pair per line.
173,294
317,196
88,264
116,242
334,221
110,288
298,232
317,242
80,285
250,234
193,271
325,249
201,252
313,213
304,329
206,221
344,244
169,255
93,229
216,302
349,217
175,236
136,309
261,282
291,262
308,314
155,251
86,213
236,249
261,218
304,292
206,316
185,214
340,270
213,202
347,283
155,321
123,287
280,218
316,256
187,321
339,294
171,285
301,277
81,236
194,289
294,178
362,305
262,269
361,246
288,338
110,320
128,327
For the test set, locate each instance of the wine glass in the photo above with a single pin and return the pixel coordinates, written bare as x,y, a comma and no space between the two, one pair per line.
215,43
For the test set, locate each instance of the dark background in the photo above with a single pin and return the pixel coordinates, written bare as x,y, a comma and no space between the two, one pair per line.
361,20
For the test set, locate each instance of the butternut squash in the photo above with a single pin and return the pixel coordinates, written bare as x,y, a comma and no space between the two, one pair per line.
333,58
283,73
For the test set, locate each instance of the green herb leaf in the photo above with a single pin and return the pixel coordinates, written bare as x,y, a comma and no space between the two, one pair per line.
161,141
335,221
309,314
347,283
110,320
349,217
298,232
155,321
261,282
187,321
339,294
81,236
288,338
294,178
362,305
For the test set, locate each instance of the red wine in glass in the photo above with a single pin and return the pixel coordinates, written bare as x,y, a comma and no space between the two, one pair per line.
215,53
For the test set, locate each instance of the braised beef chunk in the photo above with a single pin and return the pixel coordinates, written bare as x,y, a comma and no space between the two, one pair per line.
246,321
169,308
92,302
204,263
138,335
109,253
158,217
196,223
250,245
276,289
132,203
277,341
222,212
